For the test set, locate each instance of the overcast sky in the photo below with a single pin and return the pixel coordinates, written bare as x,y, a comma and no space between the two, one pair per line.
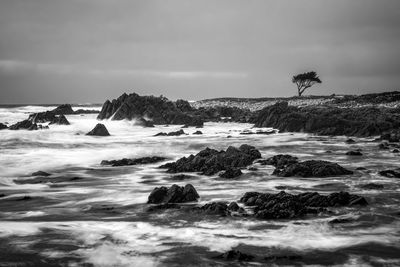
79,51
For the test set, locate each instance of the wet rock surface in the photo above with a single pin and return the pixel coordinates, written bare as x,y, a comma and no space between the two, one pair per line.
311,168
287,206
128,162
174,194
231,173
210,161
176,133
395,173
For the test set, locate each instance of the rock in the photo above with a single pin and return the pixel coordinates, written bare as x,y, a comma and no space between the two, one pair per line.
197,132
40,173
215,208
177,133
60,120
231,173
235,255
280,161
45,180
99,130
286,206
328,120
25,124
183,105
174,194
128,162
65,109
233,206
340,221
383,146
395,173
392,136
350,141
3,126
354,153
86,111
311,168
210,161
372,186
158,109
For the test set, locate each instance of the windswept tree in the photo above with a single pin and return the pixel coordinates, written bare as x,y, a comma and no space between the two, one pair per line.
305,80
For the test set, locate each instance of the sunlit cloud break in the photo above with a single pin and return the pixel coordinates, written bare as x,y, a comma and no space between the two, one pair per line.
15,66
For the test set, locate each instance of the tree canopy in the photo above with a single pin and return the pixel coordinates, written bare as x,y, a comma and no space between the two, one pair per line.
305,80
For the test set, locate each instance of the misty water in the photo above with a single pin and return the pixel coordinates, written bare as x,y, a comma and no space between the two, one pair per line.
97,215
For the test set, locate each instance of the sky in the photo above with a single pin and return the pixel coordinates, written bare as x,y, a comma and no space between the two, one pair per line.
87,51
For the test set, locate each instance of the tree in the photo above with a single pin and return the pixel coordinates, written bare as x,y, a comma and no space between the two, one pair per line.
305,80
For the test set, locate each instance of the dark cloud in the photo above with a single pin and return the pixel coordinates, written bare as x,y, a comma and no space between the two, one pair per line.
90,50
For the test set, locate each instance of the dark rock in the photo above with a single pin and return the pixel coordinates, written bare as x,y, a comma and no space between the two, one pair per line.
210,161
183,105
361,169
174,194
350,141
99,130
65,109
395,173
329,120
3,126
197,132
274,258
392,136
40,173
354,153
215,208
235,255
45,180
127,162
159,109
395,150
26,124
163,207
311,168
177,133
231,173
86,111
287,206
340,221
60,120
233,206
372,186
181,177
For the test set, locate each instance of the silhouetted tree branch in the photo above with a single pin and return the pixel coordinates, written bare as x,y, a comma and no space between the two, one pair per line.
305,80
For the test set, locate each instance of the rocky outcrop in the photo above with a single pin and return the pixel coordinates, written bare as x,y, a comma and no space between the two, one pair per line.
158,109
25,124
235,255
395,173
287,206
60,120
311,168
211,161
354,153
177,133
128,162
198,132
231,173
99,130
3,126
174,194
327,120
40,173
280,161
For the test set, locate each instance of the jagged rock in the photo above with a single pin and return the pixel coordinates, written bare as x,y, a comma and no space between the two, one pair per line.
210,161
350,141
286,206
235,255
328,120
159,109
40,173
65,109
197,132
99,130
231,173
174,194
3,126
383,145
391,173
311,168
215,208
25,124
354,153
127,162
177,133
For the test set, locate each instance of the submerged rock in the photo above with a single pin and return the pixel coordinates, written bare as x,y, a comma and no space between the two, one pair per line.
211,161
395,173
99,130
280,161
177,133
65,109
311,168
286,206
174,194
372,186
25,124
127,162
197,132
3,126
40,173
354,153
235,255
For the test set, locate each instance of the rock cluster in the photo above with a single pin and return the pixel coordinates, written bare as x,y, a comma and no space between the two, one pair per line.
177,133
127,162
210,161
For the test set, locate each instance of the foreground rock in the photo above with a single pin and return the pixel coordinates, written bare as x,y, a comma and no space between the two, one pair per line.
211,161
159,110
231,173
174,194
395,173
128,162
3,126
287,206
328,120
99,130
24,125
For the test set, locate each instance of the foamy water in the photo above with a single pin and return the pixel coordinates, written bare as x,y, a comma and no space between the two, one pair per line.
101,219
